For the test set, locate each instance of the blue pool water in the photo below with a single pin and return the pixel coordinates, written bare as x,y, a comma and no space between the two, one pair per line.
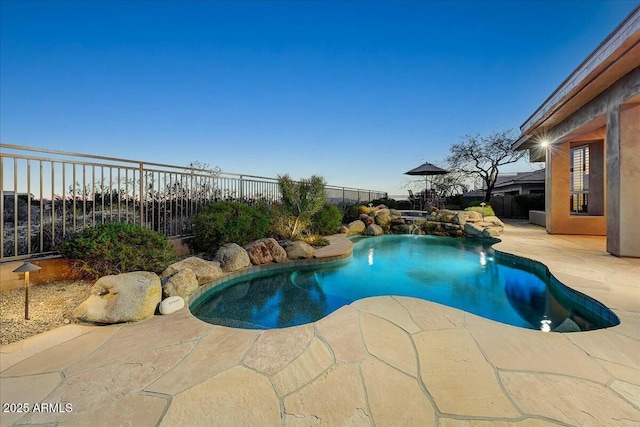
460,273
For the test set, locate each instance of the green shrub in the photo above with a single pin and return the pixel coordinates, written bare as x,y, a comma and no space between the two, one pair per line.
327,220
352,213
486,211
117,248
390,203
227,222
452,207
474,203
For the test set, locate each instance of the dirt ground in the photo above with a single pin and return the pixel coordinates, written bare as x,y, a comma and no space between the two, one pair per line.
50,306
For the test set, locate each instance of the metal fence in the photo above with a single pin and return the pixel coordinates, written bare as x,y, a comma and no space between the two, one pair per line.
48,195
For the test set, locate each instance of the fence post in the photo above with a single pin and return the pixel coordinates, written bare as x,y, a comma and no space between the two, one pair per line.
241,188
143,197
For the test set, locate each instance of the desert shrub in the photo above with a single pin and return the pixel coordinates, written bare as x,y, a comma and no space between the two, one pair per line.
327,220
315,240
301,200
117,248
390,203
227,222
486,211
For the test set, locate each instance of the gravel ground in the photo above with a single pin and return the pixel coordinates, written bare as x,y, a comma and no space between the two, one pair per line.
50,306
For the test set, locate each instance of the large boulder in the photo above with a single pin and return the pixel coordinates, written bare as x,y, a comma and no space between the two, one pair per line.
264,251
344,229
366,219
493,220
490,232
445,215
232,257
473,230
473,216
126,297
395,214
206,271
356,227
383,218
183,283
374,230
299,250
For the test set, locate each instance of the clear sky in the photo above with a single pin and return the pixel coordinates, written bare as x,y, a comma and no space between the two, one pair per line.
356,91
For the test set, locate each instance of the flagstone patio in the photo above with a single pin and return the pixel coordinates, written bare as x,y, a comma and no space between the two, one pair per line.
379,361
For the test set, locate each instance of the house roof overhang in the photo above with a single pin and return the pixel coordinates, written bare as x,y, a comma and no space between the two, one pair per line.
615,57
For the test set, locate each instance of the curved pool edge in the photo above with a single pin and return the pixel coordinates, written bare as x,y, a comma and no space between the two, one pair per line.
339,249
566,295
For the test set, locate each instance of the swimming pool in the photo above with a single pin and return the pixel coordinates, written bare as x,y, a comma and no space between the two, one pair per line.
461,273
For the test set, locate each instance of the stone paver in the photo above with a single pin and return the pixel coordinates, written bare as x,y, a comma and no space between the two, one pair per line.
342,332
569,400
137,410
29,389
512,348
238,396
304,369
458,377
277,348
383,384
337,398
220,350
383,361
379,334
431,316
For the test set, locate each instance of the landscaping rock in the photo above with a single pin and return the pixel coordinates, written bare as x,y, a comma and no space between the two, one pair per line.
171,305
344,229
206,271
126,297
473,216
383,218
232,257
264,251
394,214
473,230
493,220
183,283
374,230
445,215
366,219
490,232
356,227
299,250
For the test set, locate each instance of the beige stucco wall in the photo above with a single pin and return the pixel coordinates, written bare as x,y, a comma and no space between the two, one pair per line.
558,216
630,181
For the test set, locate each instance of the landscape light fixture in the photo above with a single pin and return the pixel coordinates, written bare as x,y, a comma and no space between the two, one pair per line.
26,268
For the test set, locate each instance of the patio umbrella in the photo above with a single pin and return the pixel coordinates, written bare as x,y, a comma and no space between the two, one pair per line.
426,169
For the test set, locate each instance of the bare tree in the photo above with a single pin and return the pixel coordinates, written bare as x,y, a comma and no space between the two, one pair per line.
482,156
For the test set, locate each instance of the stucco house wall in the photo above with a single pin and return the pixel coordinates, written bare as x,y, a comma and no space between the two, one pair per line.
597,106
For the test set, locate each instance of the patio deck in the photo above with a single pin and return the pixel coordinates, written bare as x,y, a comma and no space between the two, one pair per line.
379,361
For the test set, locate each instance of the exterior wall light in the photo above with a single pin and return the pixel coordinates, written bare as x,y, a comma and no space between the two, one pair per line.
26,268
544,143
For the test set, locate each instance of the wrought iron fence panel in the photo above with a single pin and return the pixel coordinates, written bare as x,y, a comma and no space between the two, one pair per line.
47,196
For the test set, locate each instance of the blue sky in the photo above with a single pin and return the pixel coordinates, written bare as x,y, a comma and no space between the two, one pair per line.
356,91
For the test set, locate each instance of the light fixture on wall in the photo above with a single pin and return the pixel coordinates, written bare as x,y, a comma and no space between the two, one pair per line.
26,268
544,143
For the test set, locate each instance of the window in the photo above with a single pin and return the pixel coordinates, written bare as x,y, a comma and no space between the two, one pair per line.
579,199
